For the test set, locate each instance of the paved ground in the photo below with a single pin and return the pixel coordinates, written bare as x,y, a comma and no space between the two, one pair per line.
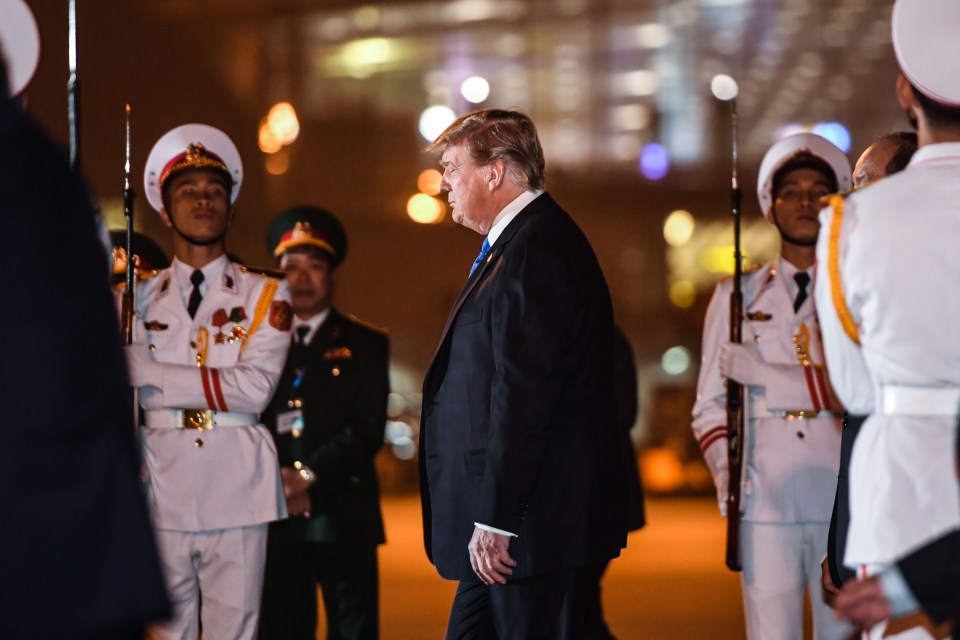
670,583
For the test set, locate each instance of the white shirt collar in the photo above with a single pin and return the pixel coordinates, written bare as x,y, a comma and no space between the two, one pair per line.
212,272
314,322
788,270
510,212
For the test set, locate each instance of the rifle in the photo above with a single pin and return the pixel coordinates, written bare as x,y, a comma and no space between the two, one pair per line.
726,89
73,89
128,196
129,292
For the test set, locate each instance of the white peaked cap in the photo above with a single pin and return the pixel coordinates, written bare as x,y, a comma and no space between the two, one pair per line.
789,148
19,43
190,146
926,39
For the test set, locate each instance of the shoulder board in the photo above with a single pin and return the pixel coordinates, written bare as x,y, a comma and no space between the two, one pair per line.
747,271
366,325
266,273
143,275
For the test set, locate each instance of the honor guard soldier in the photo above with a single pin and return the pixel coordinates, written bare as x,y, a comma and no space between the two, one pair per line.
792,435
889,300
206,359
328,419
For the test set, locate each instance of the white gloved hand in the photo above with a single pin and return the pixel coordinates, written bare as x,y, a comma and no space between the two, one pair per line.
721,481
743,365
144,370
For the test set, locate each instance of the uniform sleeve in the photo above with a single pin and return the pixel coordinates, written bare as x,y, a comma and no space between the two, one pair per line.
710,408
847,369
248,384
795,387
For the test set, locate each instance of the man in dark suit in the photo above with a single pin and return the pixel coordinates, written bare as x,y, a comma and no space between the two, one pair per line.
327,419
522,475
77,553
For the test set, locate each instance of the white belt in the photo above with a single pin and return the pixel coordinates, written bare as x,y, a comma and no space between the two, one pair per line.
758,409
197,419
918,401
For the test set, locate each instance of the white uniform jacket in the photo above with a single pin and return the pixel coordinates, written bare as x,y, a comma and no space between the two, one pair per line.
895,264
229,359
790,463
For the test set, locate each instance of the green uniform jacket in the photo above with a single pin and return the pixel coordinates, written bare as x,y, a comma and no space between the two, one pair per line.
343,395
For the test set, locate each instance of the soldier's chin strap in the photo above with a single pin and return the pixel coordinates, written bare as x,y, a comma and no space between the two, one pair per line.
786,236
201,243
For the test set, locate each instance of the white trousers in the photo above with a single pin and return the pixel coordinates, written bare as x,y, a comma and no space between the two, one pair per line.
780,561
224,570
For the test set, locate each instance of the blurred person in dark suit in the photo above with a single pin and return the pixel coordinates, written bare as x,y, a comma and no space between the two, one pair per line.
522,481
327,419
625,396
78,555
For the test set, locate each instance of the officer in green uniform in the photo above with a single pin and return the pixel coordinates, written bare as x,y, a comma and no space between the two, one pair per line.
327,419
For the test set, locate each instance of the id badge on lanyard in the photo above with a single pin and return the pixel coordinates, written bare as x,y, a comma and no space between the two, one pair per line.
292,421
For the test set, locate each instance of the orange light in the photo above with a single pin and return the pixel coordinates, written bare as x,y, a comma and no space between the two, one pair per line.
429,182
424,209
277,163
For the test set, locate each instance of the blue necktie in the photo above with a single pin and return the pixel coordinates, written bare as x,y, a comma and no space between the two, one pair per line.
483,252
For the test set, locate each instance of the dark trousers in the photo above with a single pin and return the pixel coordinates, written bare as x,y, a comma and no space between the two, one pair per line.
348,579
594,626
547,607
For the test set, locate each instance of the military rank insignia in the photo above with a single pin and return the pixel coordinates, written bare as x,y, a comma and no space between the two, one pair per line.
340,353
281,315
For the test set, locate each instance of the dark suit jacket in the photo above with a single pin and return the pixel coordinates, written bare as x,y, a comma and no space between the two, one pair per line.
518,428
933,574
840,519
77,549
625,396
344,393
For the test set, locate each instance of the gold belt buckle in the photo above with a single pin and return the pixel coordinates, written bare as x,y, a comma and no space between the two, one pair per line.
801,414
197,419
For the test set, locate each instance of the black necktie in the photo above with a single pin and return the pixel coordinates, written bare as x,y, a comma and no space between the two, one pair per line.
803,279
302,332
194,303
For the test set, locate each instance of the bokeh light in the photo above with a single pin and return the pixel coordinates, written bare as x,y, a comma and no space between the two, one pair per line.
675,360
267,138
683,294
283,122
654,161
678,228
277,163
425,209
835,132
434,120
717,259
475,89
429,182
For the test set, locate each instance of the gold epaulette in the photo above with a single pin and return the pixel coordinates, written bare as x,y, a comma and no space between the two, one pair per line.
266,273
833,269
142,276
746,271
366,325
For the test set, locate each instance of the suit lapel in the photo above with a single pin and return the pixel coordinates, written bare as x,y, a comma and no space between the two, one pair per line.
478,275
